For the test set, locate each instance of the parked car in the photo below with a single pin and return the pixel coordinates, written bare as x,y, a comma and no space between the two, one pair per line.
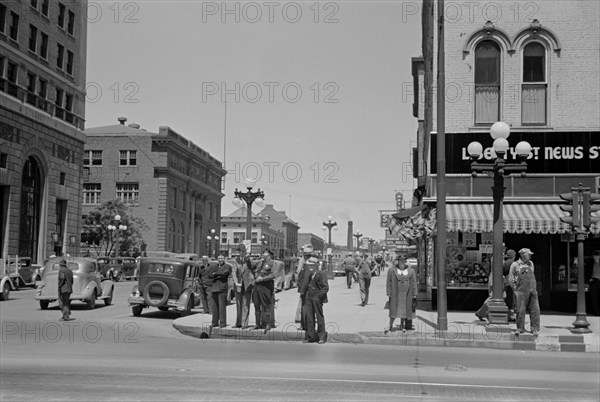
337,267
88,285
166,283
116,269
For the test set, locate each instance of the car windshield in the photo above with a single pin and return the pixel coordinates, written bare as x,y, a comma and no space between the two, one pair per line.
73,266
157,268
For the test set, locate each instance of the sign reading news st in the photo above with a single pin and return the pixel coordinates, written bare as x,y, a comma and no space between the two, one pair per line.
552,152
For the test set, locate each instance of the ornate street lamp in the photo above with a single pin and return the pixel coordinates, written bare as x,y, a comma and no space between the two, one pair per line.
248,197
118,228
72,242
328,225
212,236
498,312
371,241
55,244
358,235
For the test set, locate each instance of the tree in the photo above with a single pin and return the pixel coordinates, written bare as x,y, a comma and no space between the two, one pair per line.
105,241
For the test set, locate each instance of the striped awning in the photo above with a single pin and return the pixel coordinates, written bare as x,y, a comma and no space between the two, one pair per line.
518,218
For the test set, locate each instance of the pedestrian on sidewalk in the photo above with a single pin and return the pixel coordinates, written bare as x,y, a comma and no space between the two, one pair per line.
65,288
205,285
523,277
401,289
483,311
363,272
264,290
349,265
595,284
300,318
509,297
244,284
219,289
314,288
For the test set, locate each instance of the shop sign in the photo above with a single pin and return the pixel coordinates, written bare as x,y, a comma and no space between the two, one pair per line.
486,248
470,240
552,152
451,238
487,237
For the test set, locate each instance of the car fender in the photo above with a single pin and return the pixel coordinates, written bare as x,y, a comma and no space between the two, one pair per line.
7,279
185,296
86,293
107,288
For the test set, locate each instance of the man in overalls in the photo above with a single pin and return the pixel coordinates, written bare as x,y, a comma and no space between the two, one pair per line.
523,279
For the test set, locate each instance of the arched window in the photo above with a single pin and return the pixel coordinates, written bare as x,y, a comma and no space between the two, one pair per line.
487,83
533,96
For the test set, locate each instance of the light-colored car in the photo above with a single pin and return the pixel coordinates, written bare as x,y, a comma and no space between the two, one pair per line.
338,270
88,285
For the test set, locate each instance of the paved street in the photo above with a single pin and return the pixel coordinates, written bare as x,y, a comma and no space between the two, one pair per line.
108,354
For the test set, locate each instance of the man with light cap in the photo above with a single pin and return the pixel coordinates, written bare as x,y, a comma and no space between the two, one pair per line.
65,288
314,288
307,251
524,284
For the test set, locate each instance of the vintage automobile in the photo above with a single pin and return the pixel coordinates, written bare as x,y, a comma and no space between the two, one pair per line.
88,285
338,270
166,283
116,269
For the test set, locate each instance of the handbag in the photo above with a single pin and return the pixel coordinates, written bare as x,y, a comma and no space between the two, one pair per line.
414,305
387,305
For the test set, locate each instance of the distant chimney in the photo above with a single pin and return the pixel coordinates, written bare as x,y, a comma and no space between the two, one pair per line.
134,125
122,120
350,236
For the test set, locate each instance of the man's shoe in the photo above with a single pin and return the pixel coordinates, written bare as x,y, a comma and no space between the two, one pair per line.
256,327
535,332
238,326
322,341
267,329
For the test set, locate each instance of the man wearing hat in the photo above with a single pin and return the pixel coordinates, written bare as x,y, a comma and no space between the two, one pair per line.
65,288
264,289
307,251
523,279
314,288
595,284
349,265
244,283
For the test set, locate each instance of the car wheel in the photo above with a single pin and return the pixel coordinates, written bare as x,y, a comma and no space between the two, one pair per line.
108,301
5,291
91,303
189,306
156,302
44,304
137,310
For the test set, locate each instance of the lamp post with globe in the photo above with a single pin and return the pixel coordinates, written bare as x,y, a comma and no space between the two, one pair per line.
117,228
212,237
498,312
248,198
328,225
358,235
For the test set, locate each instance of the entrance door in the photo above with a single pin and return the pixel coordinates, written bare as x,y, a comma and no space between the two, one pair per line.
31,199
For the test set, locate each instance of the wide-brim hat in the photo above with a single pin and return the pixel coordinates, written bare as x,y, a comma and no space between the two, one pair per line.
62,262
525,251
308,248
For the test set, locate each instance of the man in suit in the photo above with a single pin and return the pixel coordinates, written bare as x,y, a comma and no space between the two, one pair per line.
219,288
264,289
65,288
314,288
205,285
244,284
307,251
363,270
349,265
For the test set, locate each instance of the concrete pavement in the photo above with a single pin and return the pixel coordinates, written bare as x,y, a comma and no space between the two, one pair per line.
348,322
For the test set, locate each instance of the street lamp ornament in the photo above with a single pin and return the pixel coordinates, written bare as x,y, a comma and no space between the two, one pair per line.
248,197
497,169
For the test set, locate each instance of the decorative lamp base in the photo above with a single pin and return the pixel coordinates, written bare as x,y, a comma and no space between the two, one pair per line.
498,312
581,325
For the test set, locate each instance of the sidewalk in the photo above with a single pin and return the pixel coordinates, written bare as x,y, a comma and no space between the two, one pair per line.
348,322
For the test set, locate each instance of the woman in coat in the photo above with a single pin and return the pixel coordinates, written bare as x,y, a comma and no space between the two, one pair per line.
401,288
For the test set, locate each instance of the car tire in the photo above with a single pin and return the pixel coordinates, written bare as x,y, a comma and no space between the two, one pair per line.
5,291
137,310
44,304
154,302
189,306
108,301
91,303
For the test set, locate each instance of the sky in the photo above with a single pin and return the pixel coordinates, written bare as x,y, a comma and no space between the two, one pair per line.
317,95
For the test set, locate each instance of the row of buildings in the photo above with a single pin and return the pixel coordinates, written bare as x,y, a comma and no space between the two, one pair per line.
538,74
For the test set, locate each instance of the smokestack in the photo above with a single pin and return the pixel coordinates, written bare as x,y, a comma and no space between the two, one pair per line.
122,120
350,236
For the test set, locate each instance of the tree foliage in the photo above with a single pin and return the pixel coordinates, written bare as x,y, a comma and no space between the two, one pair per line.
103,240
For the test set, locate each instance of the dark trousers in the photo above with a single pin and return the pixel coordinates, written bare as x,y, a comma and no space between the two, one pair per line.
264,304
349,278
219,309
314,309
528,301
64,303
204,296
595,296
242,303
510,297
365,284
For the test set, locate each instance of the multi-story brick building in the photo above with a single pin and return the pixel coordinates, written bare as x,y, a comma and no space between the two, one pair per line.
535,67
166,179
317,242
233,233
42,113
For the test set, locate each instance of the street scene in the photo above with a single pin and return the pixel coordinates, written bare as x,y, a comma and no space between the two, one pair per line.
299,200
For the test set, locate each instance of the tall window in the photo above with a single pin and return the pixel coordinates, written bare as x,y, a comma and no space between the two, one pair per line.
71,23
60,55
92,193
44,46
61,15
238,237
92,158
31,86
69,62
129,193
487,83
32,38
58,102
533,96
11,76
128,158
13,30
2,17
45,4
42,93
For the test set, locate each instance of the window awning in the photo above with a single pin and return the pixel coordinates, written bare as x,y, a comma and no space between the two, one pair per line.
518,218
